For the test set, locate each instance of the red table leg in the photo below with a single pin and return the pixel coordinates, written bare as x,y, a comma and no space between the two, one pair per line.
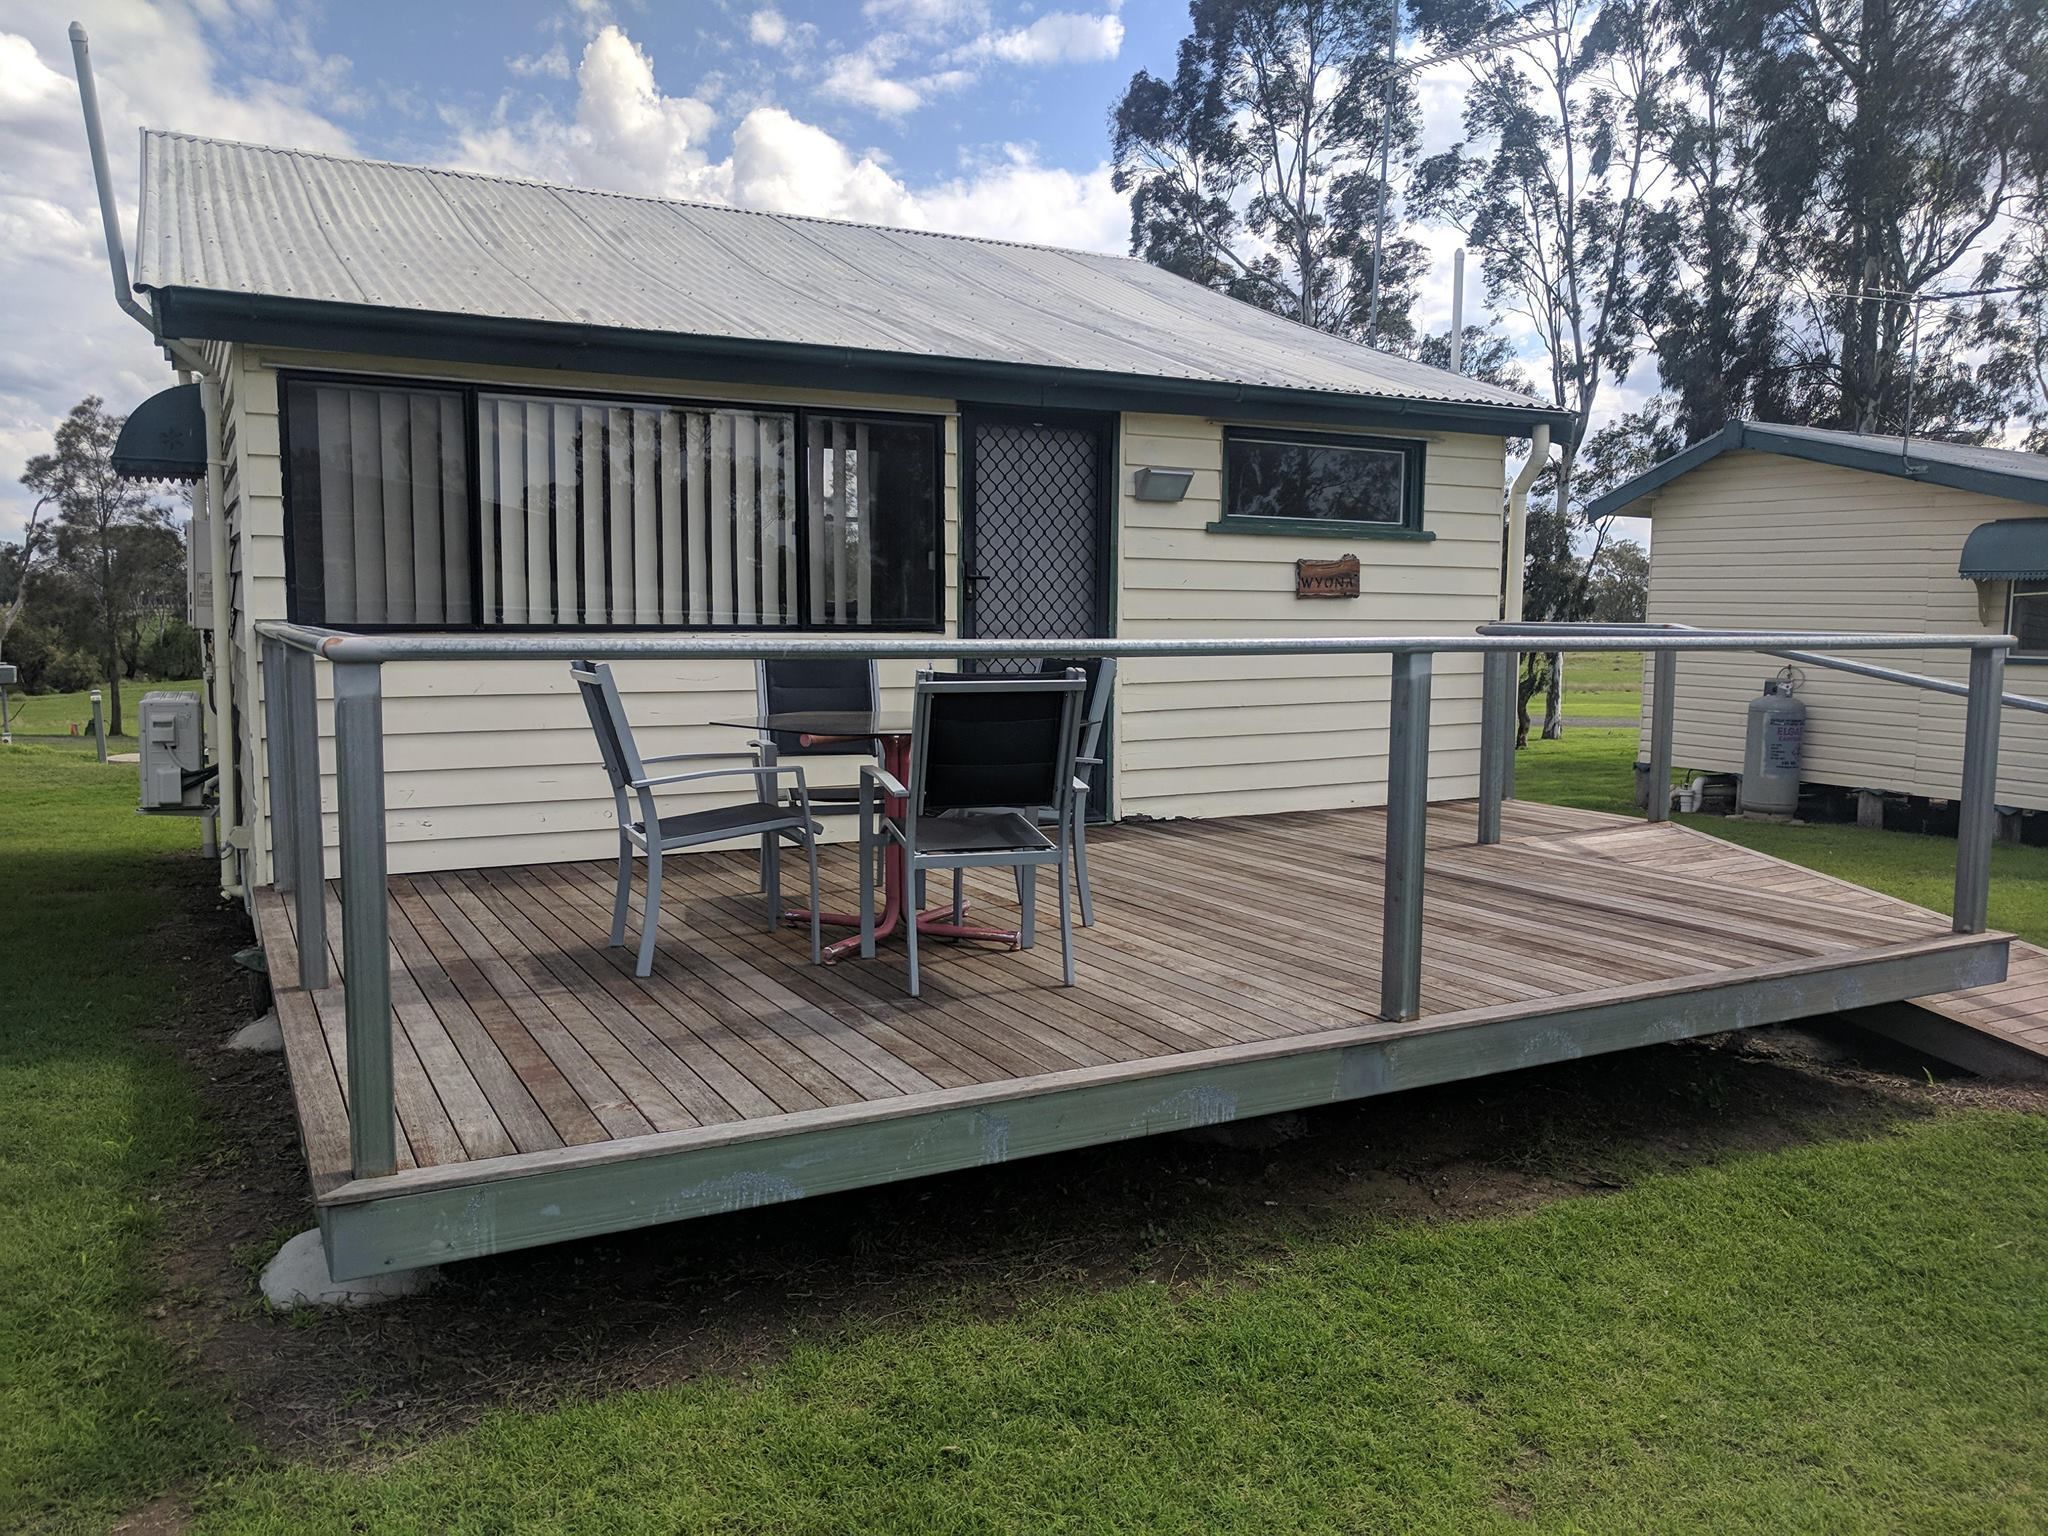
937,923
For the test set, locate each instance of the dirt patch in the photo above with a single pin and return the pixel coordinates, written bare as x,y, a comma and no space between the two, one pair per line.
724,1296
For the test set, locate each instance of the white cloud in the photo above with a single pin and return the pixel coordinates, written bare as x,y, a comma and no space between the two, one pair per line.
784,165
927,13
554,64
1019,199
861,79
628,135
768,28
61,334
1058,37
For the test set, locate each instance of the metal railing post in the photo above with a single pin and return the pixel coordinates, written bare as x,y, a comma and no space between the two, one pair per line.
99,726
365,939
1663,717
1978,816
277,752
301,725
1496,740
1407,837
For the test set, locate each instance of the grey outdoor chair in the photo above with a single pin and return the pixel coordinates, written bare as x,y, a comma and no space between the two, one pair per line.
1100,672
789,684
981,746
766,815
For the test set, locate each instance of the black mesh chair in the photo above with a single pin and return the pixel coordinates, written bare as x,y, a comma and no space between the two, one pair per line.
981,746
1100,672
823,683
766,816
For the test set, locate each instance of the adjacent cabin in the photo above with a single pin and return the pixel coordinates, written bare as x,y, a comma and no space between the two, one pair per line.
455,402
1852,533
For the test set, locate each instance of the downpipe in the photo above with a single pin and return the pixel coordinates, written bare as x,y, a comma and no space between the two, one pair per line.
219,648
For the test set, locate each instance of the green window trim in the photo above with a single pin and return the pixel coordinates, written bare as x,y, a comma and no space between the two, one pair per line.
1315,528
1413,455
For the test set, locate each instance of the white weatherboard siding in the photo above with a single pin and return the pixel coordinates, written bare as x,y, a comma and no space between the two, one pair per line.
1239,735
492,763
1756,540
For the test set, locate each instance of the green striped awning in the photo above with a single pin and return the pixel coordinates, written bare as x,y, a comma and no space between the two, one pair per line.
2011,549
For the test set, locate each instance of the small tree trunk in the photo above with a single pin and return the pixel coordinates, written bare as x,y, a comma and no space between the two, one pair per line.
1553,701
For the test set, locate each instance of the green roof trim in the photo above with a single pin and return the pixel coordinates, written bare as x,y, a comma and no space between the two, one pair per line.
2007,473
2010,549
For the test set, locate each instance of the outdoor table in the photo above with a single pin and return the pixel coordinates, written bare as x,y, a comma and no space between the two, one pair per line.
892,728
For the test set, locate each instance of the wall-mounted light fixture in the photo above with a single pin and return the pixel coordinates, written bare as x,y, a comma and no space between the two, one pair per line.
1155,484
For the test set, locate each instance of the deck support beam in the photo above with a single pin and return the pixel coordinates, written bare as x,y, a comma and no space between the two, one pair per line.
365,939
1407,838
1496,740
1663,719
1977,820
299,716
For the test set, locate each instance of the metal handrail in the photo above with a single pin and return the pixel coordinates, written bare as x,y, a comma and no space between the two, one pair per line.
291,650
2019,701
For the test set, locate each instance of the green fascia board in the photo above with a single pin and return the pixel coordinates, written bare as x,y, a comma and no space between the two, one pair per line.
375,330
1876,455
705,1173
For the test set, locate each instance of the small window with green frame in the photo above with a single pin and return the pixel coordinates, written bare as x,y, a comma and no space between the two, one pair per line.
1282,480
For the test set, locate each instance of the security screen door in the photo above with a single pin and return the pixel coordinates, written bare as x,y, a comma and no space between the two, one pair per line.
1035,543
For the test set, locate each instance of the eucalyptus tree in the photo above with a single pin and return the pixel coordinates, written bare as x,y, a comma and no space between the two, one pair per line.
1894,135
1549,186
108,534
1256,168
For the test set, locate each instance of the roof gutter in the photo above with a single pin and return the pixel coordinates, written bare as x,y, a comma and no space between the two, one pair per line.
378,330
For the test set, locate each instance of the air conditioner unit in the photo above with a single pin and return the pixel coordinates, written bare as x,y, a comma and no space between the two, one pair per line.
173,753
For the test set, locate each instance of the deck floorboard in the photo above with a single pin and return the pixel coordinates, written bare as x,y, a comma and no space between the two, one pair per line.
521,1033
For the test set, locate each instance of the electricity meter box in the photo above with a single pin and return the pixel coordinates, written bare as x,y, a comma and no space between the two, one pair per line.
173,753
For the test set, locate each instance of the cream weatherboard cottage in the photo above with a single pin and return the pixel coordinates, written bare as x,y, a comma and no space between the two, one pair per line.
452,402
1852,533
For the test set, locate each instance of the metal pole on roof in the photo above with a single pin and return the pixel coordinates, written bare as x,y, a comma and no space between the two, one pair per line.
1458,311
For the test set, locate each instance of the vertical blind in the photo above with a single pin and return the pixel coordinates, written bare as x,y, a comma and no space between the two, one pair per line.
605,514
389,543
600,514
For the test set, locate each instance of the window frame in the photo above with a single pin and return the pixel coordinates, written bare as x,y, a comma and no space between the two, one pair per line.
1414,455
2012,597
471,389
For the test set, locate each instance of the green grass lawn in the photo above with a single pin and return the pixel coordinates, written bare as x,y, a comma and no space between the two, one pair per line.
1849,1335
54,714
94,1417
1602,685
1594,770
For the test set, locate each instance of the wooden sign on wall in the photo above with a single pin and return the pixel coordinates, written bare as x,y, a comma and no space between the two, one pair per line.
1326,578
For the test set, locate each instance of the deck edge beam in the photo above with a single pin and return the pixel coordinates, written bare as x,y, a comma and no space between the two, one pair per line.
452,1221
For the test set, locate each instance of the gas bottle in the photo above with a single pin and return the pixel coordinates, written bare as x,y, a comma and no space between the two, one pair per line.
1774,747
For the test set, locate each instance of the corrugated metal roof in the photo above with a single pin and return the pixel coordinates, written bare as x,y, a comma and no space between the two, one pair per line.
2009,473
241,218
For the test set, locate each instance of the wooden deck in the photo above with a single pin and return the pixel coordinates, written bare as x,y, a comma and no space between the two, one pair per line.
543,1092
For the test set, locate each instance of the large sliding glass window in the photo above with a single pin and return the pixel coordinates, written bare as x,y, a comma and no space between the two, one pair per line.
609,514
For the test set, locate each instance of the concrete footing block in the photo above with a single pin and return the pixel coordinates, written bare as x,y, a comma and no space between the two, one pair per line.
265,1034
298,1277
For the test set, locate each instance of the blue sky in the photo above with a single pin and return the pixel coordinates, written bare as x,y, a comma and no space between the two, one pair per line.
975,116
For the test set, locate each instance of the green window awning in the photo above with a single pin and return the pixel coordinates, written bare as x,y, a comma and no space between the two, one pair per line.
2011,549
164,438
